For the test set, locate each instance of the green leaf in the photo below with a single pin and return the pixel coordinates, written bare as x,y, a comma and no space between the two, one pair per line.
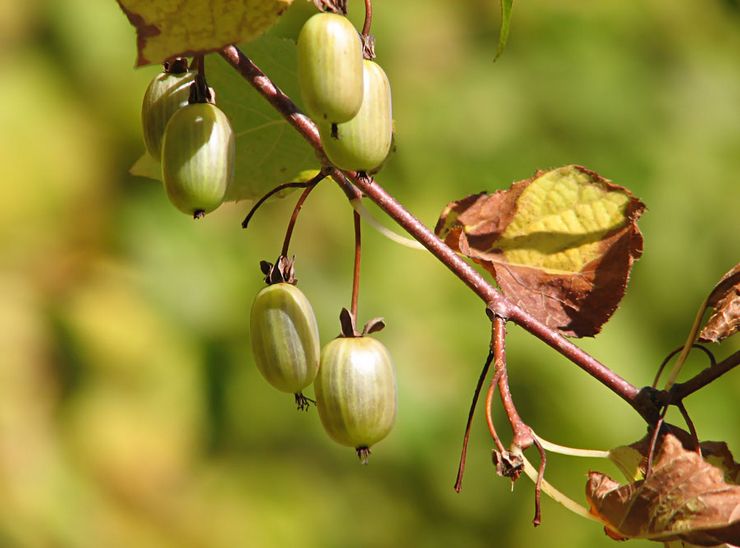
503,35
167,29
268,151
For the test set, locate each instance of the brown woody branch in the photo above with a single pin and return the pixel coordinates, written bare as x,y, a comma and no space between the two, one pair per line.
642,401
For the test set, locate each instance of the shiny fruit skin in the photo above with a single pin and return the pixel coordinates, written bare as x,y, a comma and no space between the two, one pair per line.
363,143
330,68
166,94
356,391
285,337
197,158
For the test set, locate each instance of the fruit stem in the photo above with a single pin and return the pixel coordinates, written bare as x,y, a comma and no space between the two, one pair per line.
258,204
368,41
296,210
368,18
522,433
199,92
358,259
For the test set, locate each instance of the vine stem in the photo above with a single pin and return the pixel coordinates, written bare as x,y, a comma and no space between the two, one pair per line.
495,301
296,210
368,18
358,261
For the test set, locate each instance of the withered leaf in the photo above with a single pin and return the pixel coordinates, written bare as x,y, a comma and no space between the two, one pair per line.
632,459
166,29
725,303
561,245
684,498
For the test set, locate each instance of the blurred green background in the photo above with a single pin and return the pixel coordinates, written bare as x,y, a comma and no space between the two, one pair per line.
130,410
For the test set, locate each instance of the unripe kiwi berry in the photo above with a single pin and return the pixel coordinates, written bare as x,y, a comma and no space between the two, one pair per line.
197,158
285,338
330,68
356,392
363,143
167,93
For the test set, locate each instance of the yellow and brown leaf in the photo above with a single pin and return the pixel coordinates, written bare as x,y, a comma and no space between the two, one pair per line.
561,245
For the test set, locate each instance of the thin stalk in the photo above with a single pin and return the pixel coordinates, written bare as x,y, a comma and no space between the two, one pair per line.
557,495
471,412
358,260
258,204
368,18
570,451
522,432
489,412
296,211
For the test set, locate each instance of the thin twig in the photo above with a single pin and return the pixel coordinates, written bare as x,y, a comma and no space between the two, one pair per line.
680,391
368,18
653,441
538,484
489,412
471,412
690,424
358,260
296,210
258,204
675,351
522,433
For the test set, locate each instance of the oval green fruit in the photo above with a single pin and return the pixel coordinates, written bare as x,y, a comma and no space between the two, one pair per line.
363,143
285,337
330,68
166,94
197,158
356,392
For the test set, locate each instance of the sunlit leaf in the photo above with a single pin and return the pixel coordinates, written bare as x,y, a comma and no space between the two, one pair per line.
168,29
561,244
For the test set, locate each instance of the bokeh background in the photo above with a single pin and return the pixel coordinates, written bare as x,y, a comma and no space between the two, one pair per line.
131,413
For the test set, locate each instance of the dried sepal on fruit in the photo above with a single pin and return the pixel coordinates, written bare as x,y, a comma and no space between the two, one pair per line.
198,158
167,93
285,336
356,392
363,143
330,70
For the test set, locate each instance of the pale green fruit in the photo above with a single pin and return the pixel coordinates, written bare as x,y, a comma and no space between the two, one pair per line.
363,143
166,94
285,337
197,158
356,391
330,68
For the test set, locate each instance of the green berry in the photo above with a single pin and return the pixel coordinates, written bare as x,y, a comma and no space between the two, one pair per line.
285,337
167,93
363,143
330,68
356,392
197,158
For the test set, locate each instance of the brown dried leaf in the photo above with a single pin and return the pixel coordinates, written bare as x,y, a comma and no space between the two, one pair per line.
725,302
684,498
561,245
